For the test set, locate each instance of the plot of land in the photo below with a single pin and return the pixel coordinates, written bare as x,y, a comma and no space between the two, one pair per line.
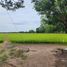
39,55
34,38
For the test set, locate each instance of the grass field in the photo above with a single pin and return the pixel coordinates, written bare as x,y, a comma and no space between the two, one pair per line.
34,38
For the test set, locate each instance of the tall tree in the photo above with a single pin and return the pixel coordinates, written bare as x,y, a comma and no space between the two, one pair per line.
55,11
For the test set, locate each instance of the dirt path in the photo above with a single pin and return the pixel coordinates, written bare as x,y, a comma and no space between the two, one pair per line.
40,55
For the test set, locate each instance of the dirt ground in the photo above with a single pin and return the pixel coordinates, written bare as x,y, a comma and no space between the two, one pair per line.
39,55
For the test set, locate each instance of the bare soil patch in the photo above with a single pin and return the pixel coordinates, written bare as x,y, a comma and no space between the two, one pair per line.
40,55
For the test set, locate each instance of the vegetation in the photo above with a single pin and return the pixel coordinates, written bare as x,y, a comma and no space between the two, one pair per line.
31,31
12,4
54,13
35,38
9,53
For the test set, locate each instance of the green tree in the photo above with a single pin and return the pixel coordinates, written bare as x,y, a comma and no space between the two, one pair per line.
55,11
51,28
31,31
37,30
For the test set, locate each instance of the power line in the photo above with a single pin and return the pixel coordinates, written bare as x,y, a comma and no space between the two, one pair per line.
12,20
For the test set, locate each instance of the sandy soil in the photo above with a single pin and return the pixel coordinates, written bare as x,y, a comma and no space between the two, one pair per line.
40,55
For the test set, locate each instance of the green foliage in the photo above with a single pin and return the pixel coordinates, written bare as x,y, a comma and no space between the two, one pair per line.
55,11
38,30
31,31
51,27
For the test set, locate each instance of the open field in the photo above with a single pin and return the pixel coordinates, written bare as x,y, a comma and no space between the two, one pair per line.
34,38
41,55
38,56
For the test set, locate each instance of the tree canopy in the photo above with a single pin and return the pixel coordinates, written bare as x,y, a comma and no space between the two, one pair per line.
55,11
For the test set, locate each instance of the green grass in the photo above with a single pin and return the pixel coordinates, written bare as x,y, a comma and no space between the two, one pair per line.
34,38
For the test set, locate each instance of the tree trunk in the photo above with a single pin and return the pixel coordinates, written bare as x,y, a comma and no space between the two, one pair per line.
65,26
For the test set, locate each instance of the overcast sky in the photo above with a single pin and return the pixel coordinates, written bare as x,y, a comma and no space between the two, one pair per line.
22,19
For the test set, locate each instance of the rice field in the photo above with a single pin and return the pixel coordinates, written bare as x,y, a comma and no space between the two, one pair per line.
34,38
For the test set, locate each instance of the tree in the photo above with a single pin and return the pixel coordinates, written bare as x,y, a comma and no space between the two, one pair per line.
39,30
51,28
31,31
55,11
12,4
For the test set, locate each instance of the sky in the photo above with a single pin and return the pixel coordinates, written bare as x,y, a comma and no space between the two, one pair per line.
23,19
